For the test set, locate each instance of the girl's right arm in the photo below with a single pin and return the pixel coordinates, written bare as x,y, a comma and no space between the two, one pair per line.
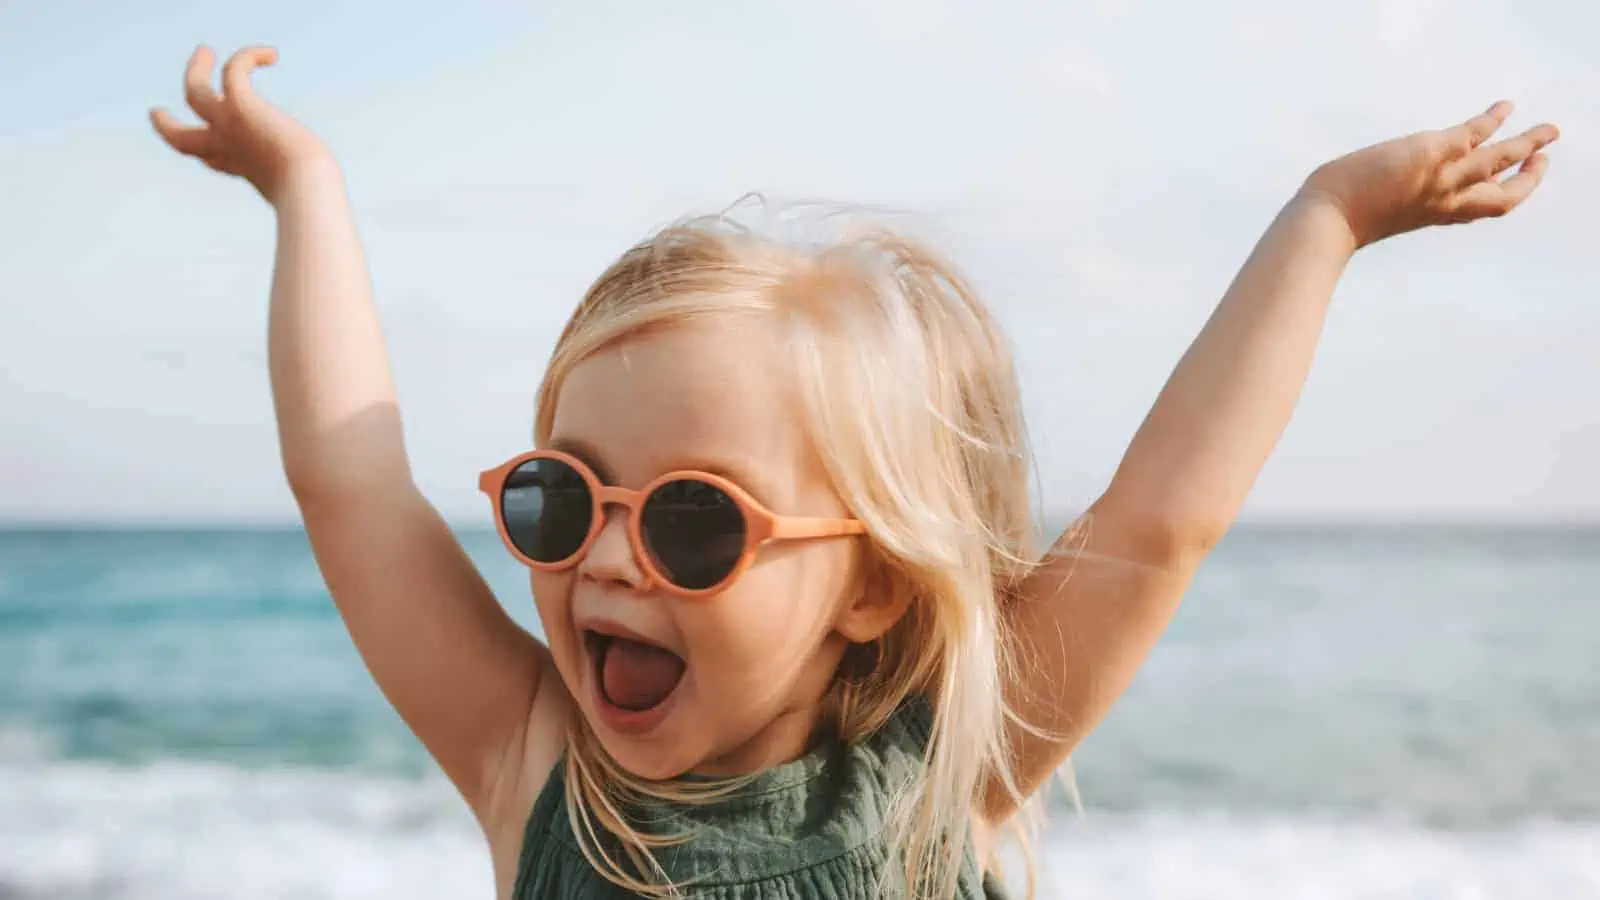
459,671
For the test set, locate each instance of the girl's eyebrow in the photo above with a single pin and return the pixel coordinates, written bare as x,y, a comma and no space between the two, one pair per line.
584,451
733,471
738,474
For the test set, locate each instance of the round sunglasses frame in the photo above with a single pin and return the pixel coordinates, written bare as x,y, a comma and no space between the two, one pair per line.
761,525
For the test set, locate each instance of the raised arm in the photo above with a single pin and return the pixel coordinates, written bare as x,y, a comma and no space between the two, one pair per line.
1090,615
460,672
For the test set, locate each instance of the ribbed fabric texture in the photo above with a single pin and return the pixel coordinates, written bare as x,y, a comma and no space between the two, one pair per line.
808,830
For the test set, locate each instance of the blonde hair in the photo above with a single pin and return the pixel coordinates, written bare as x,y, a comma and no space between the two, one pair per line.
909,386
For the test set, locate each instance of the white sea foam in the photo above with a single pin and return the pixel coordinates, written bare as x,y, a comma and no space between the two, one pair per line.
182,831
186,831
1210,858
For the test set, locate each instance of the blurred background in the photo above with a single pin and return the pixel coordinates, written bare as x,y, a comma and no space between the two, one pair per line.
1385,684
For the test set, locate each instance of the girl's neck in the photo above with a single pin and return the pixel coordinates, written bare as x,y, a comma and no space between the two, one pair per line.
790,736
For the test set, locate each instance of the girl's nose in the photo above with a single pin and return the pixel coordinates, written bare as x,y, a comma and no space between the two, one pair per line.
611,559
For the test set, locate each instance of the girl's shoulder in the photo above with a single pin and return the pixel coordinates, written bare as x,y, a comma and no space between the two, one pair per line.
526,781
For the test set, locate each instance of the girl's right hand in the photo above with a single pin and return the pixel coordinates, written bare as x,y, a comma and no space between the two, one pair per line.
241,133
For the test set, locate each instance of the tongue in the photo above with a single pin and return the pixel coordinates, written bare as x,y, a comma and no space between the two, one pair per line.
638,676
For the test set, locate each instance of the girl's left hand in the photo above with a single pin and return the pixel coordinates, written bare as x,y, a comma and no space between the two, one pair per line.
1442,177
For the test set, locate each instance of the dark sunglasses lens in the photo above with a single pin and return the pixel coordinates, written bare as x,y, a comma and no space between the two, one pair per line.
547,509
694,532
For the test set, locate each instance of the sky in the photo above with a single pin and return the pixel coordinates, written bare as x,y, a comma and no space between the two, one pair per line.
1100,168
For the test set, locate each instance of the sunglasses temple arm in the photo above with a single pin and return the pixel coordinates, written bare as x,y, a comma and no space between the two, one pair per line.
800,528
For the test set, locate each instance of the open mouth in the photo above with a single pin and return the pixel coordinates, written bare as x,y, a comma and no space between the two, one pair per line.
632,676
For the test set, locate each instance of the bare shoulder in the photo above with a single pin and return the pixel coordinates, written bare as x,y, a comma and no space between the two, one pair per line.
531,757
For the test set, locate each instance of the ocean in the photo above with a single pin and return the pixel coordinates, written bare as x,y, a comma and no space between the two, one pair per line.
1336,712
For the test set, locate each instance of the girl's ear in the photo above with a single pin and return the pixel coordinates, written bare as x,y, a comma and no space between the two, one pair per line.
881,599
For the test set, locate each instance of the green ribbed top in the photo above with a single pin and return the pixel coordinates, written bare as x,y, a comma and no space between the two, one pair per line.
807,830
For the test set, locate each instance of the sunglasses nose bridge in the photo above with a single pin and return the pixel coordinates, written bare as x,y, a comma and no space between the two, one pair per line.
608,495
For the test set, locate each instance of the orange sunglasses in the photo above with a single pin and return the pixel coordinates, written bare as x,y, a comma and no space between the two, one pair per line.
692,533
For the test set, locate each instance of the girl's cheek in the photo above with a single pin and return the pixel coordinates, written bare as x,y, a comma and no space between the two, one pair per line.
771,638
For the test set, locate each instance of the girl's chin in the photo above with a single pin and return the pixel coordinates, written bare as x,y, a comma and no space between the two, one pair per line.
659,753
647,764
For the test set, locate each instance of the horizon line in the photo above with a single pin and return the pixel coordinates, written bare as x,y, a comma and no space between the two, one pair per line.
1582,518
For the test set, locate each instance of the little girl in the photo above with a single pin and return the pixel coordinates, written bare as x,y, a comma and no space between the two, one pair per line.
777,524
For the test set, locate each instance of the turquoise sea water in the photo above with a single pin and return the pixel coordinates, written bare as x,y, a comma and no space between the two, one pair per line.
1336,712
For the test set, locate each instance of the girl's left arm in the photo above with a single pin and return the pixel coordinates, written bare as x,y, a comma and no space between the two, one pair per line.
1089,615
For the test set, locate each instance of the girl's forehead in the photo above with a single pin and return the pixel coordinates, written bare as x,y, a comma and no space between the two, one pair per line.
705,396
